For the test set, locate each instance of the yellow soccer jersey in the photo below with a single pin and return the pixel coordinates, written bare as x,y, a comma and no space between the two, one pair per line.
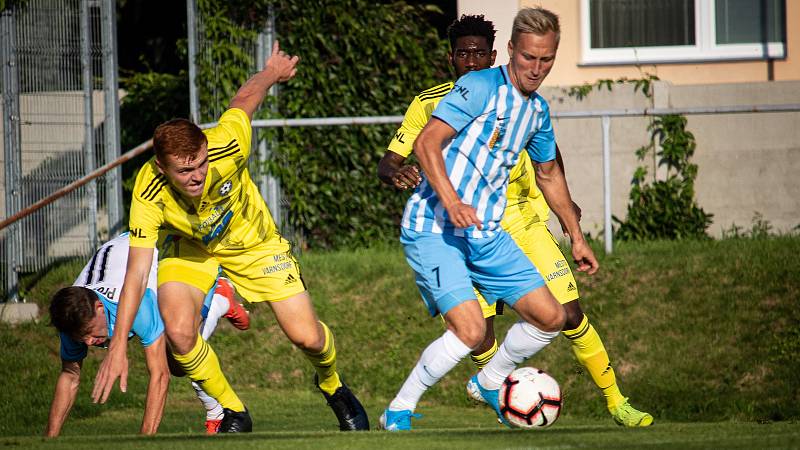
417,115
230,215
526,204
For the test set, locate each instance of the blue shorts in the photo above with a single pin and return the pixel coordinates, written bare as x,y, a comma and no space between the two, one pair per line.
446,268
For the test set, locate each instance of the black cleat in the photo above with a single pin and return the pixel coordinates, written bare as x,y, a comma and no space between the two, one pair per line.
235,422
347,408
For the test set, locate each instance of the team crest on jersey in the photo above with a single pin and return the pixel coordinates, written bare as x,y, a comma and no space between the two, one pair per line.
225,189
499,132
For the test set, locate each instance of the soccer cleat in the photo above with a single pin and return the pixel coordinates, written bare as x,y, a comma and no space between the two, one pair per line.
491,398
237,315
212,426
397,420
627,416
473,392
348,410
235,422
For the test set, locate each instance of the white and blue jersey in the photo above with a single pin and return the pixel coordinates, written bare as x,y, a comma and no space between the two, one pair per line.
494,122
147,326
104,274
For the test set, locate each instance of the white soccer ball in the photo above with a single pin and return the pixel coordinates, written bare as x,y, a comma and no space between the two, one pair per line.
530,398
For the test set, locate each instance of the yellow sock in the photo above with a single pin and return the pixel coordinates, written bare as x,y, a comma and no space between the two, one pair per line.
202,366
483,359
590,352
324,363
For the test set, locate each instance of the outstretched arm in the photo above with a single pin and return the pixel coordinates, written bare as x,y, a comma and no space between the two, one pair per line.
156,357
115,364
550,179
280,67
64,396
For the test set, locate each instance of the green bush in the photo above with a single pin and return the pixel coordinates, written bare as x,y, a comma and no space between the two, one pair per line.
358,58
665,209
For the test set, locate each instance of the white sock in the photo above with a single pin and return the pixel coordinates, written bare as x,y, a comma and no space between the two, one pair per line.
218,308
522,341
212,406
437,359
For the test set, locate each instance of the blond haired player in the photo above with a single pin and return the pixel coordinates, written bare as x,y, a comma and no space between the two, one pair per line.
198,189
526,214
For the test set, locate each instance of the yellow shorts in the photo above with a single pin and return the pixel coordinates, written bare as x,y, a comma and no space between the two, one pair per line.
487,309
541,247
267,272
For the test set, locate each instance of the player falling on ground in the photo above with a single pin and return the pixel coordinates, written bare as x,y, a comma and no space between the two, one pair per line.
198,187
526,214
85,314
451,231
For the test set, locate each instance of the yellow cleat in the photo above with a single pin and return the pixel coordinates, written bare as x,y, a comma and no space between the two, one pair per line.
627,416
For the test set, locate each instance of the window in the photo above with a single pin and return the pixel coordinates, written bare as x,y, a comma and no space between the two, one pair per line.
666,31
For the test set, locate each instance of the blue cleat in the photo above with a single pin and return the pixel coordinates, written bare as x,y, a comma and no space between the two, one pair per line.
491,397
397,420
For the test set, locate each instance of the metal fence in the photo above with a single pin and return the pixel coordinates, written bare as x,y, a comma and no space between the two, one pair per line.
60,121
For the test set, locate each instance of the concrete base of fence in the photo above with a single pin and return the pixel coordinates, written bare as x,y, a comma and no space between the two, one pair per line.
18,312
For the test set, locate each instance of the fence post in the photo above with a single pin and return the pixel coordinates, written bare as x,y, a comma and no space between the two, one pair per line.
88,117
12,153
111,121
268,185
191,28
608,230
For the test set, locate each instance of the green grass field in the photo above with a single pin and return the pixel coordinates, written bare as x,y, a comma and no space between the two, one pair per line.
703,334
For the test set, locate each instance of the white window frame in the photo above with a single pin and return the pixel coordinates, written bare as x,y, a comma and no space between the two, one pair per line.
705,49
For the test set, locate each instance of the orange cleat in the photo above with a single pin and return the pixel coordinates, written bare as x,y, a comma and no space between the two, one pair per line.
237,315
212,426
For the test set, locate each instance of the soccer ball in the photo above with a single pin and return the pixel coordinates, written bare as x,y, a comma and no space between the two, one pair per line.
530,398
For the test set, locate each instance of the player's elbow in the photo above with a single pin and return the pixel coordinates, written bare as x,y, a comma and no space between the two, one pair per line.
72,377
423,145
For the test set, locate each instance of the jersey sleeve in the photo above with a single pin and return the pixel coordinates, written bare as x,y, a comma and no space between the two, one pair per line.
231,135
146,215
72,350
542,145
413,122
147,324
466,101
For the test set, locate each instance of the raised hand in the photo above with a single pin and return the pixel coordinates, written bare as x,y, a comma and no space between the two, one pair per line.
282,65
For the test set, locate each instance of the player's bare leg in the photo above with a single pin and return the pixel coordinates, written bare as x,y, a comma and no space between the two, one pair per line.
180,305
591,353
298,320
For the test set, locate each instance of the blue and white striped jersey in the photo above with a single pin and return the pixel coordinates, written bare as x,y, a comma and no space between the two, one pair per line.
494,122
105,274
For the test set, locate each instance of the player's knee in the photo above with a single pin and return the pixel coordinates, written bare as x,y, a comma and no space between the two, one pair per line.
181,341
311,342
471,334
553,320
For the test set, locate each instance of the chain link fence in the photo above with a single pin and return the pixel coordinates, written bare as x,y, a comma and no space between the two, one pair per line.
57,126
